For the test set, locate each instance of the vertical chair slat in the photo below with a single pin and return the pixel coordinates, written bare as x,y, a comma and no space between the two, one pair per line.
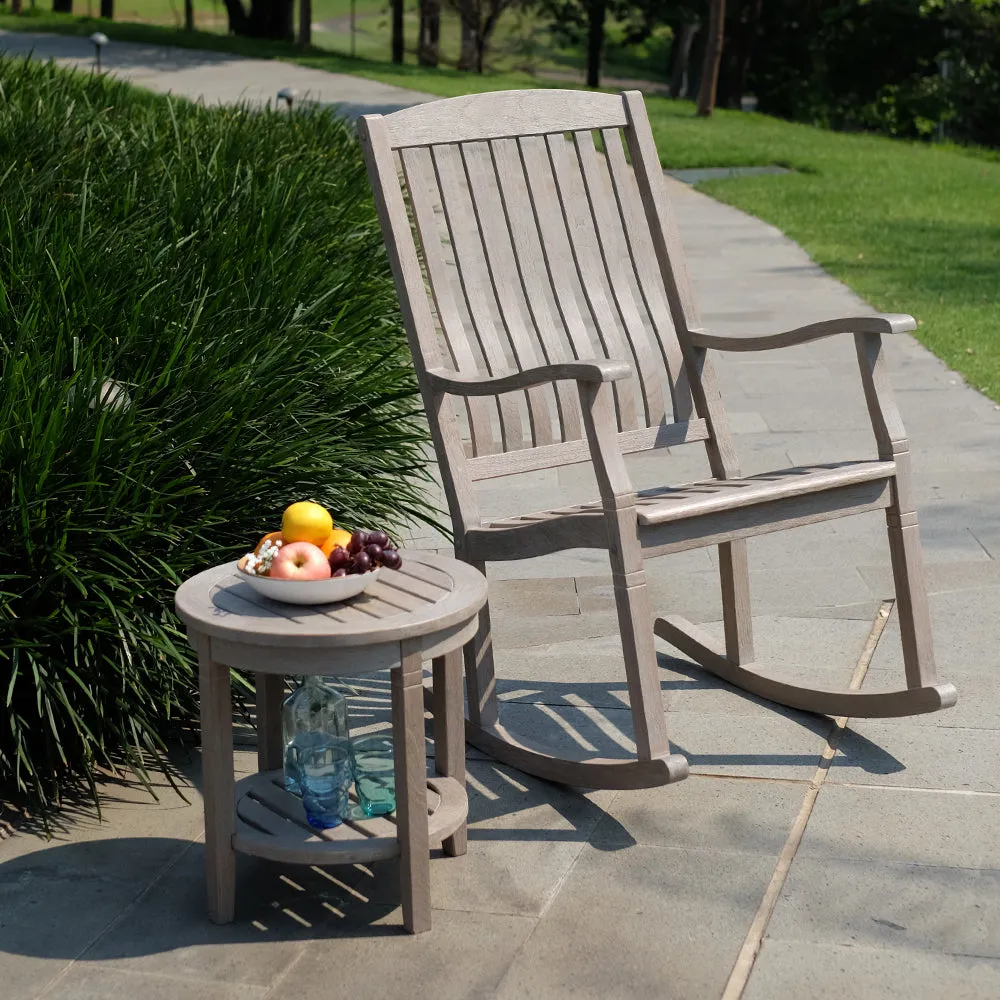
503,273
593,280
614,256
476,285
538,293
643,259
555,242
420,182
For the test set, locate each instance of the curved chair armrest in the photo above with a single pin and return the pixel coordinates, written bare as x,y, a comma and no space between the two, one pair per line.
888,323
598,370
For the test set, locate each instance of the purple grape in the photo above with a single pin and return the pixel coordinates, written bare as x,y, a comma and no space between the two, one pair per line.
379,538
362,562
375,551
391,559
339,558
358,541
340,572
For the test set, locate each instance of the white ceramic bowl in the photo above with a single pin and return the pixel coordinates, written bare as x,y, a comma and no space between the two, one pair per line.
338,588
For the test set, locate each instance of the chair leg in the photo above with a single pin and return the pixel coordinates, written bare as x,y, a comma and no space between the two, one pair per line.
734,576
912,605
635,622
480,674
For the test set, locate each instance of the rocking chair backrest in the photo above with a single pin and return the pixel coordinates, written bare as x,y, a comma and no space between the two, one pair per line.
520,241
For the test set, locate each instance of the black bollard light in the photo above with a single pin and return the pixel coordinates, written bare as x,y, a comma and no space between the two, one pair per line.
100,40
288,95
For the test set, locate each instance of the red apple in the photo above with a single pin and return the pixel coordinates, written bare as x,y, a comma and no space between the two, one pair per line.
300,561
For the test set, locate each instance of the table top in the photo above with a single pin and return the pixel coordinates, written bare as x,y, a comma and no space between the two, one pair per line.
428,594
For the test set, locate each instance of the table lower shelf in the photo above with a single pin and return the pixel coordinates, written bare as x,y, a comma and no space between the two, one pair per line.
271,823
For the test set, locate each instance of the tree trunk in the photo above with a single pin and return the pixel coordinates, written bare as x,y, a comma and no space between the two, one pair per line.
305,22
681,53
713,56
62,6
15,6
468,11
749,25
596,11
266,19
189,15
239,23
108,9
397,31
430,32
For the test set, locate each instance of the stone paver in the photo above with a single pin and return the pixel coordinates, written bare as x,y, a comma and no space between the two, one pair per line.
893,891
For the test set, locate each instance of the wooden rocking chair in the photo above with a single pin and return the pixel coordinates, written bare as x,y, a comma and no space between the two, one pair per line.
551,322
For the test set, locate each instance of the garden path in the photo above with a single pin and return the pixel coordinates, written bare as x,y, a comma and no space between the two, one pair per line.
893,889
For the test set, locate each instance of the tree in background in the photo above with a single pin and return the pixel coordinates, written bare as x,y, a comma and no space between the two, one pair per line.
62,6
397,31
305,22
907,68
189,15
713,57
479,19
264,19
582,22
428,44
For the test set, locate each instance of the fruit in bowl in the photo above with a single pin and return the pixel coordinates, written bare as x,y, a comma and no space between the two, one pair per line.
311,561
299,561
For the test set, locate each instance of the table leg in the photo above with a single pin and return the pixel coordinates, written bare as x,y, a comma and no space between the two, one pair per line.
270,748
219,784
411,787
449,733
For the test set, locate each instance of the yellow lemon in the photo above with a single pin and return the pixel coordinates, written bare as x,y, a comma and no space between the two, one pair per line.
306,521
337,537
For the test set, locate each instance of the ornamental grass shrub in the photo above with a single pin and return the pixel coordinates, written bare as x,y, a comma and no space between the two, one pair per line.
197,326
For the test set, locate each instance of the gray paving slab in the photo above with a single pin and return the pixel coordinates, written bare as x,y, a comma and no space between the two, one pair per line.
524,836
861,903
904,753
464,955
704,813
88,982
833,972
55,901
167,931
646,922
901,825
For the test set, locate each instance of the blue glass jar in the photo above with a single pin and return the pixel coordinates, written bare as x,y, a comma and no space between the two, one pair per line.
313,715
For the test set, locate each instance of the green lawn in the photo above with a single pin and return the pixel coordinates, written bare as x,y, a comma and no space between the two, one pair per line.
911,228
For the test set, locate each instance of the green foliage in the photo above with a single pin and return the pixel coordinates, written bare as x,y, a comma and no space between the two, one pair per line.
909,68
197,326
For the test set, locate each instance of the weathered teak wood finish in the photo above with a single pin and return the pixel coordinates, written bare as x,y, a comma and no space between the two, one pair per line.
427,609
551,321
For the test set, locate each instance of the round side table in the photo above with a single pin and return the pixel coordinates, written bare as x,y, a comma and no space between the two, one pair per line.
428,609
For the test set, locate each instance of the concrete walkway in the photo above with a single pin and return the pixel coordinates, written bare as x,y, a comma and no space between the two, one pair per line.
214,77
862,863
